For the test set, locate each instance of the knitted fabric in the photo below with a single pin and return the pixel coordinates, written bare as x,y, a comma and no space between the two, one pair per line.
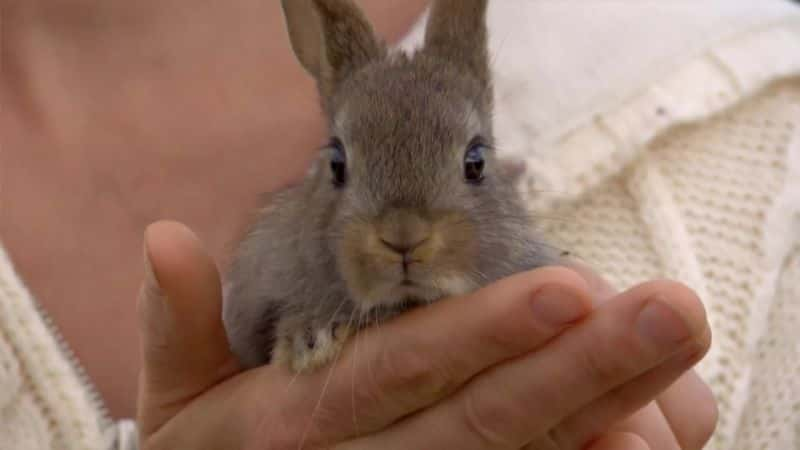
692,175
44,403
710,205
660,142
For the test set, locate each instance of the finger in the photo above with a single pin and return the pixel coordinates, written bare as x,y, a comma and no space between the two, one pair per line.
691,410
620,441
648,422
184,348
601,289
622,401
652,426
615,440
685,425
691,423
514,403
420,357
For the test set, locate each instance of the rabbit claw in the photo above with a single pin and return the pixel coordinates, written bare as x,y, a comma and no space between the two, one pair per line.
309,350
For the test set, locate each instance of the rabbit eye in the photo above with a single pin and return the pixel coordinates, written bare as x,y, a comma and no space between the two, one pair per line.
473,162
338,162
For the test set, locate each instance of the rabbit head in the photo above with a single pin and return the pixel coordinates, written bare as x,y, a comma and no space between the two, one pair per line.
419,208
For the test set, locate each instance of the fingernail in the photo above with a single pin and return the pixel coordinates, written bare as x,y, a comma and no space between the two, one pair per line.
660,324
150,280
556,306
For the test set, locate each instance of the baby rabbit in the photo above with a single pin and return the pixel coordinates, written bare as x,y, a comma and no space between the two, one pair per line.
408,202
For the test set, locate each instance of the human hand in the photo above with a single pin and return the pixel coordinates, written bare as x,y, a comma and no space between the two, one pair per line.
516,362
683,417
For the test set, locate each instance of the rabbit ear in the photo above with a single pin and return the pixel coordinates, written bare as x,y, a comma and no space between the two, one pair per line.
331,39
305,33
457,32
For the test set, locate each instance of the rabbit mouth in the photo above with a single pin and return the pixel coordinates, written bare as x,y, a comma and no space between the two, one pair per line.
398,290
406,255
429,288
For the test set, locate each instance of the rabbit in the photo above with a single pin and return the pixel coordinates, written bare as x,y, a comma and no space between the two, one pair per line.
407,203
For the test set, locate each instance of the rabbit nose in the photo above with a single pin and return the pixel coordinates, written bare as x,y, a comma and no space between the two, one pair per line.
403,247
403,231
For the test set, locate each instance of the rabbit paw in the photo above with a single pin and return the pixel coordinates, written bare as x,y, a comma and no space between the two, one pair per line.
308,350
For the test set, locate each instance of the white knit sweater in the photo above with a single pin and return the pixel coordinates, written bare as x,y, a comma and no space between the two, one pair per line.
662,139
659,140
46,402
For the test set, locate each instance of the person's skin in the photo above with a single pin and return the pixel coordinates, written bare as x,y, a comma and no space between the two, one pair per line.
548,359
118,113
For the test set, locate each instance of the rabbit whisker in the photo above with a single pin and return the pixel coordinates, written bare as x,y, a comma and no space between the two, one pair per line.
331,368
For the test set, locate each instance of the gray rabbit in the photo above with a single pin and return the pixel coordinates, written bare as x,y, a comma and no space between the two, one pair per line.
407,204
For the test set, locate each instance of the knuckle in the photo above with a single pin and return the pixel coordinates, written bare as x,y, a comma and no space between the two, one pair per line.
483,419
509,328
681,297
608,362
511,337
408,375
403,368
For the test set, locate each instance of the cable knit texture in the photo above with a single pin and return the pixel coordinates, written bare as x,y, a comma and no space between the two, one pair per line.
43,402
710,205
662,140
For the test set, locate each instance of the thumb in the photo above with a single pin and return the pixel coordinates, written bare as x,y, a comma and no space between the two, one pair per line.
184,347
